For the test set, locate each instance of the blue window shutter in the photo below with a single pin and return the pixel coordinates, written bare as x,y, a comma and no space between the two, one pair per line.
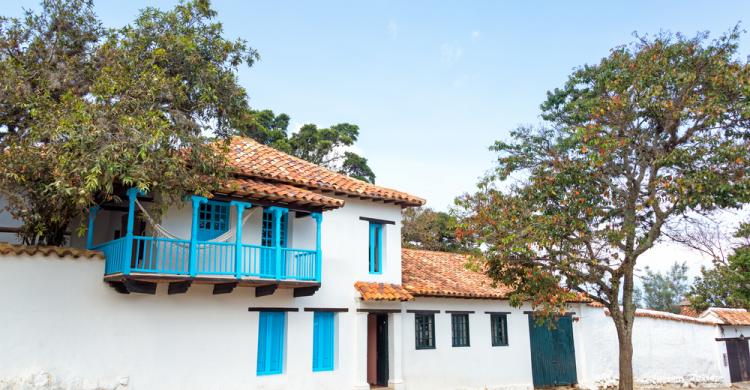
376,248
323,341
271,343
213,220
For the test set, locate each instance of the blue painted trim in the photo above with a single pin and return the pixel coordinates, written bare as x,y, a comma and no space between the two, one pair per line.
93,210
240,206
271,335
277,214
318,217
128,256
376,248
193,259
323,341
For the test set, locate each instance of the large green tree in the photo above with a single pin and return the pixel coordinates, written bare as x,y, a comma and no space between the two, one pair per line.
425,228
322,146
664,290
84,109
655,130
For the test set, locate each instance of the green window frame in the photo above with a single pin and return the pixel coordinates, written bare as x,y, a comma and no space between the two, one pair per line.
460,329
499,328
424,330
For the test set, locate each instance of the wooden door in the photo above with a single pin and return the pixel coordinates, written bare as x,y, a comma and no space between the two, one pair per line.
377,349
738,356
553,360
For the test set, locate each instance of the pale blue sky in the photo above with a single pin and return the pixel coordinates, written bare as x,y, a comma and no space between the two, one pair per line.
431,84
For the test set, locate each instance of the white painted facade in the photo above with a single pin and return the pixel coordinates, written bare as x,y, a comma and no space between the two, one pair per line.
60,318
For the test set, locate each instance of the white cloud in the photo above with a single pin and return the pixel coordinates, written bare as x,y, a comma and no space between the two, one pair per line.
392,28
475,34
450,53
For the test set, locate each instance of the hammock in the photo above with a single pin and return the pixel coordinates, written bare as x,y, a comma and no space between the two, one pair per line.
161,231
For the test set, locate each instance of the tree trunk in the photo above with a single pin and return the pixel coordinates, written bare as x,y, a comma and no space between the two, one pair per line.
623,318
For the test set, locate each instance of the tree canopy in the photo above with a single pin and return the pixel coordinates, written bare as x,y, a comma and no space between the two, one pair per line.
664,291
84,108
322,146
655,130
424,228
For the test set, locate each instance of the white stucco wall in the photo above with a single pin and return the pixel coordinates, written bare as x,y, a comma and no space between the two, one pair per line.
664,351
479,366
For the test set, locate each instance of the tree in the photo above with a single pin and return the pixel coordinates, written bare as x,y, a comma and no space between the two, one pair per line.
664,291
727,284
424,228
84,109
655,130
325,147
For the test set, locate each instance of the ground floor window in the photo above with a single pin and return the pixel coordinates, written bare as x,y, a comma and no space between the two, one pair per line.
499,327
460,326
424,324
271,329
323,341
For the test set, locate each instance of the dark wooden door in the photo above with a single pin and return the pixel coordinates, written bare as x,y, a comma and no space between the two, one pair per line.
738,356
382,334
553,360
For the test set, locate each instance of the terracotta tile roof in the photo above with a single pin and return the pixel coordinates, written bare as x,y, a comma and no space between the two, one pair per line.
442,274
48,251
370,291
279,192
250,158
731,316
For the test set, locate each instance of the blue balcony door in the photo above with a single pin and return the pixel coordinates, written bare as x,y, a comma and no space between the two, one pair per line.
268,239
213,220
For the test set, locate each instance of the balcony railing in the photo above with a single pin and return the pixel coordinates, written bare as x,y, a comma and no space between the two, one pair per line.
193,258
154,255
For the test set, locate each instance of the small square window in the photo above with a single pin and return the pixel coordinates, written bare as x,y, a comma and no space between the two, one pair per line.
424,330
499,327
460,325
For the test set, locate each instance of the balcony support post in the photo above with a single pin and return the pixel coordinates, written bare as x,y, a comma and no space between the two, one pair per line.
90,231
277,214
240,206
318,217
193,260
132,195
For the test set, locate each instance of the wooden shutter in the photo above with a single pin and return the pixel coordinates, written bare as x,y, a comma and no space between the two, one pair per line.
271,343
323,343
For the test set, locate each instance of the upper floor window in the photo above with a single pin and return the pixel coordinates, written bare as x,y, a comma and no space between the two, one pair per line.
460,326
499,326
424,330
323,340
376,248
271,343
213,220
269,231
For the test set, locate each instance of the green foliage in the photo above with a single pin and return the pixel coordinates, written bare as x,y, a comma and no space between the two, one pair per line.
665,291
655,130
320,146
727,284
84,109
424,228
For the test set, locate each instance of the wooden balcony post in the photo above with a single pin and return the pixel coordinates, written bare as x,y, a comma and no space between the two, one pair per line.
277,214
318,217
90,231
193,260
132,195
238,237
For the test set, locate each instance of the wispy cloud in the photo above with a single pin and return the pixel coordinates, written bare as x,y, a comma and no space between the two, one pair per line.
475,35
392,28
450,53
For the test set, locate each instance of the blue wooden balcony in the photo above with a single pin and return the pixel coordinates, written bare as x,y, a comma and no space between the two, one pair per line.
136,263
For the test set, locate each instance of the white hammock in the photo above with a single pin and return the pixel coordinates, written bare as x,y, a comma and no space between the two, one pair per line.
161,231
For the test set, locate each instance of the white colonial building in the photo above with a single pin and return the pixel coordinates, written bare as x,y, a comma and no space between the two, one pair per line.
293,277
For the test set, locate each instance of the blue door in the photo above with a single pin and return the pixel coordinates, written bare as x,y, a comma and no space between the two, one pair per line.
553,357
